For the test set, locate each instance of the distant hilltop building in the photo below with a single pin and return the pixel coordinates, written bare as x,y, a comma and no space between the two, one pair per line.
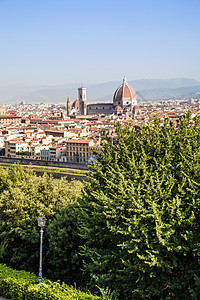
124,102
2,110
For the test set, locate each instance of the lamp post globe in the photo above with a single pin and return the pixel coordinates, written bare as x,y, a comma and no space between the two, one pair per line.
41,223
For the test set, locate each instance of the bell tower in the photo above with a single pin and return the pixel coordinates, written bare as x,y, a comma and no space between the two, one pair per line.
68,107
82,100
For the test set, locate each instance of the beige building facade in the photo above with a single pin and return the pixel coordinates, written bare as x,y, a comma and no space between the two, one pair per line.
77,151
12,147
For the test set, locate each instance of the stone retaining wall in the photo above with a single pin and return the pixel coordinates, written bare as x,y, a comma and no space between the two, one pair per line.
69,177
29,161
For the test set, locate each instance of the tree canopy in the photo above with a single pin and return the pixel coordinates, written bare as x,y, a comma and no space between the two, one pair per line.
140,218
23,197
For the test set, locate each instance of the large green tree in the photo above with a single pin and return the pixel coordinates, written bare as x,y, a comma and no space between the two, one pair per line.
141,213
64,243
23,197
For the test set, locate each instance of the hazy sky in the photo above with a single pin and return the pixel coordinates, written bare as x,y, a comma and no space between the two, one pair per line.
61,41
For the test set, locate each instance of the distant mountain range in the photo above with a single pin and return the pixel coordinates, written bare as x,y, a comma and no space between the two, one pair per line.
147,89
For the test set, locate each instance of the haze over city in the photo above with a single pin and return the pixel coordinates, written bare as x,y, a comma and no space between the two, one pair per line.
62,42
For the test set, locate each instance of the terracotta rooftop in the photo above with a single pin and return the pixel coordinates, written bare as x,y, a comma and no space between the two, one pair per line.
9,117
75,104
118,107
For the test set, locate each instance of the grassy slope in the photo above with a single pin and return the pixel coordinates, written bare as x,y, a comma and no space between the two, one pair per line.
48,169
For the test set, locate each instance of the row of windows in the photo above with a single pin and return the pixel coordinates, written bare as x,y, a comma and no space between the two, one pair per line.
9,121
47,158
75,144
76,154
101,108
76,160
76,148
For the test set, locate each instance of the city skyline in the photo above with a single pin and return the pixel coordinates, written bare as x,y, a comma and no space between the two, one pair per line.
60,42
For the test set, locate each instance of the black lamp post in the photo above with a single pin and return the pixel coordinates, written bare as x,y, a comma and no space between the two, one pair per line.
41,223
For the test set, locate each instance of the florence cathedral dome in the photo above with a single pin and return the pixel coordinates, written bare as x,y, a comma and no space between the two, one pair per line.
124,96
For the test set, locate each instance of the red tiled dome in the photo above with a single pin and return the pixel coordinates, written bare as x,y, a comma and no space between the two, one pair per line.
75,104
124,91
118,107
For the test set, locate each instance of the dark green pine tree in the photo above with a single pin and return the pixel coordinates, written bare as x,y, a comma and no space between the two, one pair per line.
141,213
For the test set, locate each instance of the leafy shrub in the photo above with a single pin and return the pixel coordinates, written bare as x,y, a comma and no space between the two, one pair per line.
20,285
23,197
23,153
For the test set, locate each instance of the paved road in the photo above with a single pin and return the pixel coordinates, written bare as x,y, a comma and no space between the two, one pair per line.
2,298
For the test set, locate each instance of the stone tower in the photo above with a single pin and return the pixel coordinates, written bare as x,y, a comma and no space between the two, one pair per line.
82,100
68,107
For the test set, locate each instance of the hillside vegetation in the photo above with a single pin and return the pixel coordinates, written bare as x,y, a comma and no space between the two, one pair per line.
133,231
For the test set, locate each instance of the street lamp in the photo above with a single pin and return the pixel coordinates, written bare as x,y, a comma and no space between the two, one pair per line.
41,223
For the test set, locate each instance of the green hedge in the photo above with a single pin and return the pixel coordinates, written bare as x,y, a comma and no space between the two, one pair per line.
22,285
23,153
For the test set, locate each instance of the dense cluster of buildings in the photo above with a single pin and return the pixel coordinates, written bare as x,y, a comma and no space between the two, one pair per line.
73,133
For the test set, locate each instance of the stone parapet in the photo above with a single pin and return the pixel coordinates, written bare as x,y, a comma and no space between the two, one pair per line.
28,161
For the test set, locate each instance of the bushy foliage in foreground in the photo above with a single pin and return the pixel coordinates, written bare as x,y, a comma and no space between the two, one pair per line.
64,244
134,233
141,213
20,285
23,197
